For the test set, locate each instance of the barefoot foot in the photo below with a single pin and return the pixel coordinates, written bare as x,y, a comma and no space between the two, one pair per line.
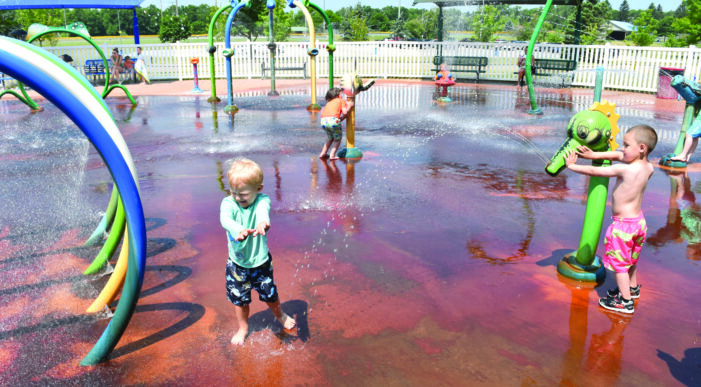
678,158
239,337
333,158
287,322
323,156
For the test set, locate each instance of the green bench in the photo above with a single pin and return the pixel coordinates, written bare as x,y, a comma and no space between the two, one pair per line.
550,67
464,64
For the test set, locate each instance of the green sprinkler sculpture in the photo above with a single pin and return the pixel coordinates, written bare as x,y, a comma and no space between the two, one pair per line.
597,129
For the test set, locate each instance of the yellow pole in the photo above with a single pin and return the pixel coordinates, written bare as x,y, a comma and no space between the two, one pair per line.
312,53
116,281
350,125
350,152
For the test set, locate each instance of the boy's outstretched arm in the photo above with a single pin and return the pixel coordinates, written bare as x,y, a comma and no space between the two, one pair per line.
586,153
347,105
226,218
590,170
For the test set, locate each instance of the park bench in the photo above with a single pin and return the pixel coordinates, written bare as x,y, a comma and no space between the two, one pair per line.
556,67
302,68
94,69
465,64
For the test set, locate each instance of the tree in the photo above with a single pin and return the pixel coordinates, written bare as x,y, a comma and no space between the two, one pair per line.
487,23
173,29
554,36
666,26
690,25
283,22
8,22
149,20
624,11
399,28
359,30
646,29
595,18
680,12
379,22
251,22
526,21
656,11
47,17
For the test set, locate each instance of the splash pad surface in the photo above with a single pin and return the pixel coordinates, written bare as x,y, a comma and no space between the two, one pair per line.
431,260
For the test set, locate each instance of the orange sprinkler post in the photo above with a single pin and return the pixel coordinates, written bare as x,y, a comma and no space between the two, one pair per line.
194,62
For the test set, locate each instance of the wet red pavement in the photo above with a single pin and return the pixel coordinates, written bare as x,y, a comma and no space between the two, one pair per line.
429,261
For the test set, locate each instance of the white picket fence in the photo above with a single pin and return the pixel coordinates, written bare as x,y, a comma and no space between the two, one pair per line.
627,68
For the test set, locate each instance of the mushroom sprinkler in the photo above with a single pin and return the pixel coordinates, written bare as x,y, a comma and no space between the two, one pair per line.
597,129
691,92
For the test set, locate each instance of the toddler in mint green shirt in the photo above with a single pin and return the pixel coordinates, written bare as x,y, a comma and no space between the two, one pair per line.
245,215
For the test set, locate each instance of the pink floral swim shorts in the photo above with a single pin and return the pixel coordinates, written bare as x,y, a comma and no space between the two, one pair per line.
624,240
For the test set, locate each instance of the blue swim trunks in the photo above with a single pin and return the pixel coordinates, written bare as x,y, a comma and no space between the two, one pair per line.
240,281
332,127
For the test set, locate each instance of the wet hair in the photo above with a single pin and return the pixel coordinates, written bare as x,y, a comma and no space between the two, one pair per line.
333,93
246,171
644,134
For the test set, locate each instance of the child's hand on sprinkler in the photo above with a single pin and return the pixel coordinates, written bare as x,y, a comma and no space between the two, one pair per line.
261,228
584,152
571,158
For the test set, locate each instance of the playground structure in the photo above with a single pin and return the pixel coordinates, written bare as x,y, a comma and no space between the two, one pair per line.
72,93
234,6
597,129
352,85
312,52
691,92
443,80
78,29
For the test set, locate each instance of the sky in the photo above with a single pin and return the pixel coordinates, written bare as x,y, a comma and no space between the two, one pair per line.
667,5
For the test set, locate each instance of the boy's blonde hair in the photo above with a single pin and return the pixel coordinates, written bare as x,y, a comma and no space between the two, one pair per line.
245,171
645,134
